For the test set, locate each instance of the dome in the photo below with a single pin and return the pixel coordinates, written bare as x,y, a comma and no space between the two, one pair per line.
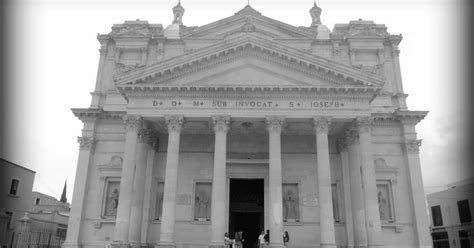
172,31
323,32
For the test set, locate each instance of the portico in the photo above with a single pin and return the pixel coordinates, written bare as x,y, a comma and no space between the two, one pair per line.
248,123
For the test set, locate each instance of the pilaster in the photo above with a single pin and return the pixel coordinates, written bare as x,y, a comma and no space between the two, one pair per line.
372,215
356,191
76,216
133,124
412,157
343,149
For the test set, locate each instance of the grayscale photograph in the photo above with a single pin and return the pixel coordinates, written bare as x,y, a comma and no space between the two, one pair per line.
236,124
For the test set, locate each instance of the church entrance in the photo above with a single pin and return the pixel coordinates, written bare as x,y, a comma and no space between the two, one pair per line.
246,209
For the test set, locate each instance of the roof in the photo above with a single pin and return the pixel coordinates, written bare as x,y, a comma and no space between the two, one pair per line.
4,161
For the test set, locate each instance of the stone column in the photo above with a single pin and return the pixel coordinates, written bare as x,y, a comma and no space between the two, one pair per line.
356,191
342,147
136,214
274,127
372,215
326,215
174,124
421,221
147,210
76,216
221,126
122,221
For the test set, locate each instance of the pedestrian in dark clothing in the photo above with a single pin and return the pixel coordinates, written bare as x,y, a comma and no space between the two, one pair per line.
267,237
286,238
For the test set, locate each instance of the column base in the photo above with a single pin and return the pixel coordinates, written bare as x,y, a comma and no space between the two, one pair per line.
165,245
216,246
68,244
138,245
328,245
276,245
119,244
375,245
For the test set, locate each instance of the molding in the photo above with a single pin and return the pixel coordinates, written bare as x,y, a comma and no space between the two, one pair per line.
90,114
250,44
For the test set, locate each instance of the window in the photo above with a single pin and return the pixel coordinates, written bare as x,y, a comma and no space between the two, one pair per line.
37,202
14,186
464,211
437,218
464,239
9,220
440,239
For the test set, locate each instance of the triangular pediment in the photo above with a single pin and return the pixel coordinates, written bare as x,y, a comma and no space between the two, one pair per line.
245,72
250,59
249,17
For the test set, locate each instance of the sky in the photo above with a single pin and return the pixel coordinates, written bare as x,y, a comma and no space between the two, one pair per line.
53,60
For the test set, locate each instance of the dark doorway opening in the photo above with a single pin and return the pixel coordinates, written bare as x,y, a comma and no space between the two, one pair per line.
246,207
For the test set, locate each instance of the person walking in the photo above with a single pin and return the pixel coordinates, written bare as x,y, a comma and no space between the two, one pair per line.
238,239
286,238
267,238
227,241
261,240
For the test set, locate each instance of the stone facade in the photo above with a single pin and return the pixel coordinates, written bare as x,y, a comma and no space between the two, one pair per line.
197,131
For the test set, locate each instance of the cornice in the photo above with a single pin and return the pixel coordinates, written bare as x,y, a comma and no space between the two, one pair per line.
85,114
242,15
250,44
410,117
263,92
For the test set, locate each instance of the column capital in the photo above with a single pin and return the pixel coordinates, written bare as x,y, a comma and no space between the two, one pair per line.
145,135
155,141
412,146
275,123
102,50
174,123
86,142
220,123
363,124
132,122
342,144
321,124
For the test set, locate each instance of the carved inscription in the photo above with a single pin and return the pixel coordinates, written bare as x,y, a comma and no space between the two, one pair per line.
250,104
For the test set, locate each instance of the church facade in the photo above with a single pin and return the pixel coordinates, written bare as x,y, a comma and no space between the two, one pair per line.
248,124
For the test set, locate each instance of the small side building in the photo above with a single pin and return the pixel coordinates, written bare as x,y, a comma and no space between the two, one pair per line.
451,215
15,196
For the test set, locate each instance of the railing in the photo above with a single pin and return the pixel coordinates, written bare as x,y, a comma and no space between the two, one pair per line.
34,239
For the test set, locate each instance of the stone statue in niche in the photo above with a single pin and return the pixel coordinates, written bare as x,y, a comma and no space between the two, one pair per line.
290,206
202,200
383,206
112,200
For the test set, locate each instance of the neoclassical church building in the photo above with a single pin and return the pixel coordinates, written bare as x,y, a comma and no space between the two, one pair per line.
248,124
